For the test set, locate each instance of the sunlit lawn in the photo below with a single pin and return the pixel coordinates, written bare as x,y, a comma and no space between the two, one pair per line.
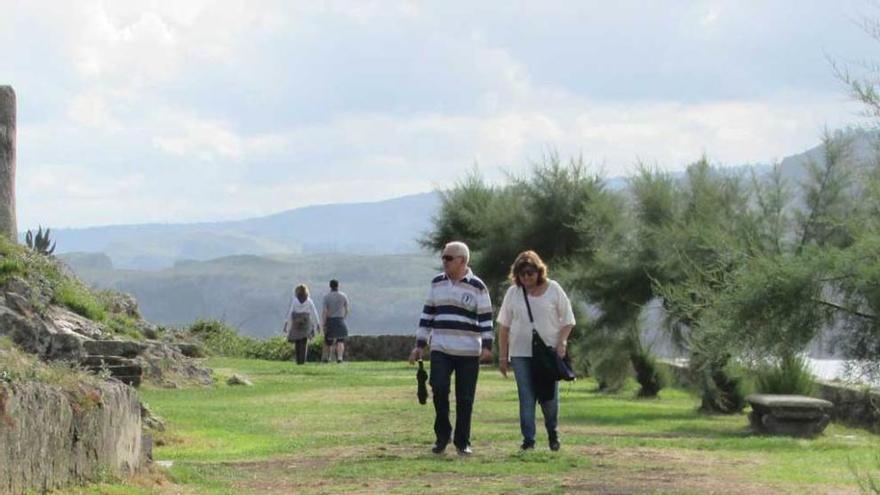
357,428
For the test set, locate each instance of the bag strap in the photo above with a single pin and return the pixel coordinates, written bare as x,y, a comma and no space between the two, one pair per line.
531,319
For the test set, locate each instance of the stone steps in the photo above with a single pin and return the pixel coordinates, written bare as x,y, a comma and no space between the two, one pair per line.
115,358
122,348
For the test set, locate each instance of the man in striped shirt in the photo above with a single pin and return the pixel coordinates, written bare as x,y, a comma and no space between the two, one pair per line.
457,318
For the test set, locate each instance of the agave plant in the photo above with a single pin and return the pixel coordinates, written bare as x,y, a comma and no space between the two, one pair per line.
41,242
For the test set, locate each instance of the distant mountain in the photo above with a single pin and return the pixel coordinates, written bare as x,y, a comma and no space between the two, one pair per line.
384,227
252,292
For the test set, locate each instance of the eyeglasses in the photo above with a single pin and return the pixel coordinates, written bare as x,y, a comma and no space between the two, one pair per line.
528,272
447,258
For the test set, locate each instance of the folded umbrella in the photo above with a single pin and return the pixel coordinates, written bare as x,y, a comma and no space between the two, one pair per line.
422,379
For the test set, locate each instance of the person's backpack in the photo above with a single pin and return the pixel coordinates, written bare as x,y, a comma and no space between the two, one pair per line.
300,326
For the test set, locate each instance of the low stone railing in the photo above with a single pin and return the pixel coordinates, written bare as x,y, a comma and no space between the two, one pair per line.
378,347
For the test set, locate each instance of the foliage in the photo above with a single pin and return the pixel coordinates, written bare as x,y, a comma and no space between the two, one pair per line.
789,375
221,339
560,211
18,366
124,325
10,267
40,243
829,202
79,299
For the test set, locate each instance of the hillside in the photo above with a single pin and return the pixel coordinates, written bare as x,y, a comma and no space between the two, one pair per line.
383,227
252,292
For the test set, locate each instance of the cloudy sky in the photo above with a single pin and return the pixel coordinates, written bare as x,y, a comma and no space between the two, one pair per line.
193,110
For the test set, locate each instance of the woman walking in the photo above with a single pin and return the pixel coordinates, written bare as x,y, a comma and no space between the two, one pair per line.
302,322
533,301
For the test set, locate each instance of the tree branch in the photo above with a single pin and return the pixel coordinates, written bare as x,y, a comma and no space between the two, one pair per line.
844,309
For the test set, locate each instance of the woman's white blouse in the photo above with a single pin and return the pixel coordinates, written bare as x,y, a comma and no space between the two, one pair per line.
551,310
307,306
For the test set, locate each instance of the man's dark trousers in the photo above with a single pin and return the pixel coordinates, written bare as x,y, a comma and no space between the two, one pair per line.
466,369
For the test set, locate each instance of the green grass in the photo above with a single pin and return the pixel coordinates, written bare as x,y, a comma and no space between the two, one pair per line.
358,428
80,300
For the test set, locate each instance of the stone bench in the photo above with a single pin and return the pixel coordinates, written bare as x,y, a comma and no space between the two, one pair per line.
794,415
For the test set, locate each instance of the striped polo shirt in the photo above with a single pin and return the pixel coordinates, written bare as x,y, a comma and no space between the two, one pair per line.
457,317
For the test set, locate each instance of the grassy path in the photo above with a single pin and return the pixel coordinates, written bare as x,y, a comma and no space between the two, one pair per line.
357,428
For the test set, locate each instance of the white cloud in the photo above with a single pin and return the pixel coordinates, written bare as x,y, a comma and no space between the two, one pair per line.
164,110
192,137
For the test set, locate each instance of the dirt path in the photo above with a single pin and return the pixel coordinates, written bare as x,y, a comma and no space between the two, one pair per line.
611,471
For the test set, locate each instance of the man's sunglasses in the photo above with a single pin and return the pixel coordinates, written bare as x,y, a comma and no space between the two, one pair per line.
447,258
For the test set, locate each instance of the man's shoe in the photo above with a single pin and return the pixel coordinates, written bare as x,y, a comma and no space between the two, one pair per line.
466,451
553,437
439,448
527,445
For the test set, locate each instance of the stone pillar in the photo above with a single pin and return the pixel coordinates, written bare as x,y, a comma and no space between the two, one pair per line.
8,223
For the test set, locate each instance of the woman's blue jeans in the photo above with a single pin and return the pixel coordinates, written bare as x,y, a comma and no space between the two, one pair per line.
522,370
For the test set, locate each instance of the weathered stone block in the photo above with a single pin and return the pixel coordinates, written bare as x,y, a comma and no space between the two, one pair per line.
794,415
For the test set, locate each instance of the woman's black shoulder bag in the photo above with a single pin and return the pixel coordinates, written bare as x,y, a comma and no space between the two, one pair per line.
544,357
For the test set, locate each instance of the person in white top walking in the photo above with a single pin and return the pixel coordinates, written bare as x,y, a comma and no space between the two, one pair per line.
302,322
553,320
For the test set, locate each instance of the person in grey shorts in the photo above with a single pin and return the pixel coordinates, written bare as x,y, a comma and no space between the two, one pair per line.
336,309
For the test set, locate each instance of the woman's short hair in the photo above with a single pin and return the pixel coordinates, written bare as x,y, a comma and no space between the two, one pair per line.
528,258
301,291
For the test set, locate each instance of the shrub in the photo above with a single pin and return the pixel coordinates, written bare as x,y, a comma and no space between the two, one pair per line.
10,267
220,339
790,375
79,299
273,349
124,325
316,347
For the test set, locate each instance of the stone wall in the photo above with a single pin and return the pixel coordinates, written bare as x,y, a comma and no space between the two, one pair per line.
854,406
50,438
379,347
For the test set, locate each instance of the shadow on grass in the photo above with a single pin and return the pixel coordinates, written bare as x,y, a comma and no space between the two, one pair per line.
656,424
